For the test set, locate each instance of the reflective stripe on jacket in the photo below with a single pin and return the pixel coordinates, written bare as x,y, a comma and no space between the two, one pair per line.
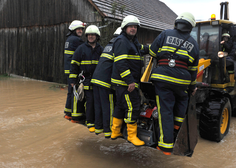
72,42
85,58
128,61
102,73
165,44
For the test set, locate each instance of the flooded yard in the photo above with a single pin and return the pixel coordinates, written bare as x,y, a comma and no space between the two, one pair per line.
33,133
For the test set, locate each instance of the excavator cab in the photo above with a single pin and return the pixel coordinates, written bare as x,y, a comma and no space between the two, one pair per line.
208,34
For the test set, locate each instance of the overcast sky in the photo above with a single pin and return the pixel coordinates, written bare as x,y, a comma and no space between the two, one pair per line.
201,9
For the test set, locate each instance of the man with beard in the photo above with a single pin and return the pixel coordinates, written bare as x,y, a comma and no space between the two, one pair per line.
126,75
72,42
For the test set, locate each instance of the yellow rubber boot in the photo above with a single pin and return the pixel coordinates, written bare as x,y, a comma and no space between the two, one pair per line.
116,127
132,135
92,129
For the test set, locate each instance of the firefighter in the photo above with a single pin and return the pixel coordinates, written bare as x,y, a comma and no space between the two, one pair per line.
126,75
228,46
85,59
73,41
102,90
226,43
174,74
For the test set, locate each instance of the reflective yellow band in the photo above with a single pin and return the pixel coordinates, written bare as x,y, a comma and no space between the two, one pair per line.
193,82
179,119
130,109
180,52
101,83
75,62
76,114
67,110
170,79
124,74
75,110
69,52
141,47
133,57
98,131
73,75
152,53
90,125
192,68
111,108
120,82
111,57
159,118
166,145
88,87
107,133
67,71
89,62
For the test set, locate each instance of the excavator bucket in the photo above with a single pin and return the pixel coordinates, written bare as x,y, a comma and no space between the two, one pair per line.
187,137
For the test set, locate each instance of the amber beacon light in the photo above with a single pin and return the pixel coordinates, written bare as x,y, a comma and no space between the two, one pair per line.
213,17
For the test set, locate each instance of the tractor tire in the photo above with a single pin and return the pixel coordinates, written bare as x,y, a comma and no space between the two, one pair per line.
214,121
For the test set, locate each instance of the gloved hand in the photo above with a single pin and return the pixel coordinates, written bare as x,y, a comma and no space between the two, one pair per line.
80,92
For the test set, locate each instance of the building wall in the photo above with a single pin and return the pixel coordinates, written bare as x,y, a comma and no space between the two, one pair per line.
33,35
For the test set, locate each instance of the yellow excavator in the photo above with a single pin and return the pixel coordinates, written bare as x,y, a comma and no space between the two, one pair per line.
209,112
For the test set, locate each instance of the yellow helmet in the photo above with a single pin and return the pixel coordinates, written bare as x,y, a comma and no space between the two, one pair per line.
76,24
130,20
92,29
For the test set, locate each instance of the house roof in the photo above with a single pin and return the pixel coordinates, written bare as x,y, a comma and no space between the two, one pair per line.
152,14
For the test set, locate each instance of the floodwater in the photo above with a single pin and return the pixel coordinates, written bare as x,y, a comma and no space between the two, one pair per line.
34,134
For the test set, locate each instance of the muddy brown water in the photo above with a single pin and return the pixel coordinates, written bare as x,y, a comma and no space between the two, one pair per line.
33,133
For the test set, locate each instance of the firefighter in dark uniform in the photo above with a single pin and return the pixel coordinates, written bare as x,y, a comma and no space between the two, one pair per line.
228,46
102,90
73,41
85,59
173,76
126,75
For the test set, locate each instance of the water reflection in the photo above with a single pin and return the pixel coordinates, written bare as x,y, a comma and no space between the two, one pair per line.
33,133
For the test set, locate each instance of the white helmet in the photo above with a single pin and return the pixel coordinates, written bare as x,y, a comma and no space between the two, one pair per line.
187,17
117,32
130,20
225,35
92,29
76,24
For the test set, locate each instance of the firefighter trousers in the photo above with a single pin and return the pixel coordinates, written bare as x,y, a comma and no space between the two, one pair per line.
127,104
172,102
78,109
104,108
69,98
90,114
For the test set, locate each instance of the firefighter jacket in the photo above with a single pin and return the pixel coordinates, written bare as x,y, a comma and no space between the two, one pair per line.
72,42
85,59
128,60
227,46
102,73
186,58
